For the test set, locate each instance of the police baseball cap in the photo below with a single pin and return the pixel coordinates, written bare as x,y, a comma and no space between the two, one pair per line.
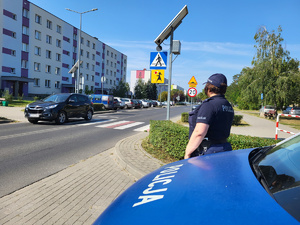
217,79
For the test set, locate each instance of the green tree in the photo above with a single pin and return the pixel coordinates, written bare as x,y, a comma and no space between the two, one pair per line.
139,89
121,90
274,74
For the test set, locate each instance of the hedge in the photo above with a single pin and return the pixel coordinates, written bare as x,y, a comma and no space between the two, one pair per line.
98,107
172,138
236,119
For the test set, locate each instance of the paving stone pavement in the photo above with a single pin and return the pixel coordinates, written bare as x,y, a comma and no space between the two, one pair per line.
81,192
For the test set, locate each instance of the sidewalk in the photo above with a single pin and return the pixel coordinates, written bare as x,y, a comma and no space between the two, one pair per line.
79,193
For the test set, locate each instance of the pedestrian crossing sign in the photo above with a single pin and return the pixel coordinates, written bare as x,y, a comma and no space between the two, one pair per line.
158,60
157,76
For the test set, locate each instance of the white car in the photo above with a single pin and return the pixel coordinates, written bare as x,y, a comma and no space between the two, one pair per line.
122,102
145,103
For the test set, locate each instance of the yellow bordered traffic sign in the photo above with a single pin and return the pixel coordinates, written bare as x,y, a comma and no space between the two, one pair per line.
192,83
158,76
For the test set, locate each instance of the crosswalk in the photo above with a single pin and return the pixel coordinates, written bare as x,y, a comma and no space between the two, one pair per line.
118,125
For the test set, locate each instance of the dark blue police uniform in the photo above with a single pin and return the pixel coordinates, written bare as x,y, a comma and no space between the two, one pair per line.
217,112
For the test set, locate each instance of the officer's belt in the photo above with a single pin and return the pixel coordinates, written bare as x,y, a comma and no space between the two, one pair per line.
216,142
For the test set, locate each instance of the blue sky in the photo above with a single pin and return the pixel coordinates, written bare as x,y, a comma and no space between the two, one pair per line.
216,35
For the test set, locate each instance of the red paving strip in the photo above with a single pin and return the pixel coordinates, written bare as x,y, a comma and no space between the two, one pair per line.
120,124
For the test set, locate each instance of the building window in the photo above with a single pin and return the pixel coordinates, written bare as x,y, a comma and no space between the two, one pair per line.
81,52
12,70
14,34
107,53
24,64
48,83
93,56
48,54
36,82
115,56
74,49
57,71
25,30
37,66
38,19
93,78
49,24
94,45
58,43
110,82
58,29
88,55
112,55
58,57
82,40
38,35
87,77
14,16
57,84
87,65
37,50
107,62
24,47
75,36
48,69
88,43
25,13
115,65
93,67
48,39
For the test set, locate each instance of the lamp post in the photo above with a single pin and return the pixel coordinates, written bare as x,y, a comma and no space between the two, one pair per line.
79,47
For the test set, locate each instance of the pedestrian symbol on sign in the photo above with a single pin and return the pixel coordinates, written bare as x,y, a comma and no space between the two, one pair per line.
157,76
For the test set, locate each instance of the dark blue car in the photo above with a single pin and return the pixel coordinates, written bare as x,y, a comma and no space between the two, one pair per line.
251,186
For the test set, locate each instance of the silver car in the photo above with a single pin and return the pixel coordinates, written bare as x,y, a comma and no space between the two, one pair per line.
295,111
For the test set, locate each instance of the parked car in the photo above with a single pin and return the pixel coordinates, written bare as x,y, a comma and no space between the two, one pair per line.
59,108
295,111
268,111
136,103
154,103
145,103
128,103
117,104
122,103
106,100
196,105
287,110
250,186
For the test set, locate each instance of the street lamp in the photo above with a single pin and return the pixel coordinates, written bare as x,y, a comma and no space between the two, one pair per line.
165,34
79,47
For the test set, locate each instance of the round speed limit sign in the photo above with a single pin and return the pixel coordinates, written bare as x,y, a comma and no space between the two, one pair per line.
192,92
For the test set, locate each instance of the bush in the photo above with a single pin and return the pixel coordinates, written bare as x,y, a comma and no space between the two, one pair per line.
172,139
8,97
237,119
169,137
98,107
185,117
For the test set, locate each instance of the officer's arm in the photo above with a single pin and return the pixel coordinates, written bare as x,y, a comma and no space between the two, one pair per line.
196,138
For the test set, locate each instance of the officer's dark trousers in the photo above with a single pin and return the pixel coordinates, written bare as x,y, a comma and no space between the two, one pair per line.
215,148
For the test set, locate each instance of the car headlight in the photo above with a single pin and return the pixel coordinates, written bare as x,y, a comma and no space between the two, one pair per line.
51,106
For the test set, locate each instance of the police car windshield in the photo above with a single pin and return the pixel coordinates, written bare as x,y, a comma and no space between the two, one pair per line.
281,171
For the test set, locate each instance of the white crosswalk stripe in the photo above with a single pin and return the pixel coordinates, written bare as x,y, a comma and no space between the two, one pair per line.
129,125
118,125
147,127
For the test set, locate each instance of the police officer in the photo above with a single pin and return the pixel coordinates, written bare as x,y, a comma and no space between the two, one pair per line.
213,120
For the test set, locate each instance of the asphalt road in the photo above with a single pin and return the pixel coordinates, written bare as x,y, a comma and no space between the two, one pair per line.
29,153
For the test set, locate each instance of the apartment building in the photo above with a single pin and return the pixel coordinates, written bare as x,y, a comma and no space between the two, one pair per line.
39,50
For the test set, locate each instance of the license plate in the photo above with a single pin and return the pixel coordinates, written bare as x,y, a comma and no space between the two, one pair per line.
34,115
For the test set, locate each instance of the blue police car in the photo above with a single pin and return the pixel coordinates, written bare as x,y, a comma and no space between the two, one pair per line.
250,186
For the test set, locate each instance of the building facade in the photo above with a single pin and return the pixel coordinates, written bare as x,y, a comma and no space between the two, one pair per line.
39,50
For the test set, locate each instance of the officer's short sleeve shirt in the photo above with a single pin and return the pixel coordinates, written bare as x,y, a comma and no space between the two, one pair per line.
218,114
